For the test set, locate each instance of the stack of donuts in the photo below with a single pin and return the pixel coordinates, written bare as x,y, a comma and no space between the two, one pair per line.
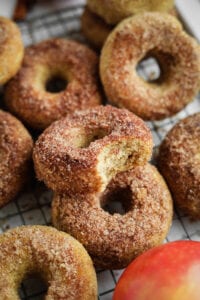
100,17
93,155
89,159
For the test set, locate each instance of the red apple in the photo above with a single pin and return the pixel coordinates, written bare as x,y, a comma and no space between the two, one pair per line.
167,272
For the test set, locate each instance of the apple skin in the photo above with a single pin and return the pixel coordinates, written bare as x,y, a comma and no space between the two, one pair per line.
167,272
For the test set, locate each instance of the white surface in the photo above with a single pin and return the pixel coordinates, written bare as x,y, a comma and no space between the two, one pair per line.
190,13
7,8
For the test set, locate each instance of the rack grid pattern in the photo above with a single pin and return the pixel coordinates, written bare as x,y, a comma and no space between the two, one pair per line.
33,205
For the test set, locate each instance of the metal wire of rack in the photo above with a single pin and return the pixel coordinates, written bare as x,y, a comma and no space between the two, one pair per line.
33,205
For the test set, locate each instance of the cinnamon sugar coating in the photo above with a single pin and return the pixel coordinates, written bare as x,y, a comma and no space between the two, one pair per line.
113,241
11,49
113,11
179,162
26,94
94,28
56,256
82,152
160,36
15,156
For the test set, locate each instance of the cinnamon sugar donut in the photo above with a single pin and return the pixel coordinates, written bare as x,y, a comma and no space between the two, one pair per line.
156,35
179,162
113,241
15,155
94,28
11,49
113,11
174,12
81,153
27,94
58,258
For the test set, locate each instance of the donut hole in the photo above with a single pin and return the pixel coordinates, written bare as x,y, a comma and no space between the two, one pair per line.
94,137
56,84
156,67
149,69
117,201
81,139
33,284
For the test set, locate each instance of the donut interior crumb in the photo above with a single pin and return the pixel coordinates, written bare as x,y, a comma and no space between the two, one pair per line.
118,157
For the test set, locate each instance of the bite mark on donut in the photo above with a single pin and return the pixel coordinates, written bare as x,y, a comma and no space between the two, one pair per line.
89,148
117,157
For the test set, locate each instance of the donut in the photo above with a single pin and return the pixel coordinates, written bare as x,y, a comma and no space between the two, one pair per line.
11,49
179,162
15,156
82,152
94,28
157,35
55,256
113,11
114,240
71,65
174,12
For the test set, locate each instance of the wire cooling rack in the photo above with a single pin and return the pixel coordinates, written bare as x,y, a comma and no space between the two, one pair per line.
33,205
